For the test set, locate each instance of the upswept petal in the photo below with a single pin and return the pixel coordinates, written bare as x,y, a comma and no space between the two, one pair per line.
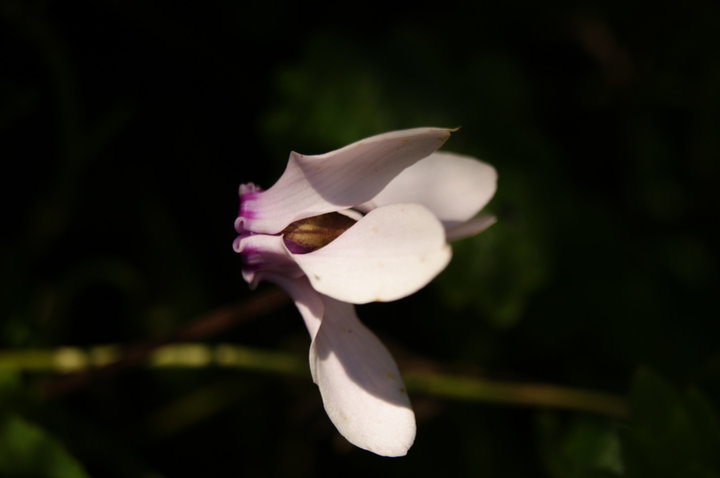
360,384
454,187
390,253
314,185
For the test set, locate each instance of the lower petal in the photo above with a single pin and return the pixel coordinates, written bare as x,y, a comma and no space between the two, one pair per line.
360,384
307,300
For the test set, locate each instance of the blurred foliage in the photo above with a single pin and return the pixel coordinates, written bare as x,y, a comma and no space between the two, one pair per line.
584,447
126,127
27,450
673,433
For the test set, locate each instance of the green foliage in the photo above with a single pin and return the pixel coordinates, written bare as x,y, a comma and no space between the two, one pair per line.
580,447
495,273
26,450
314,95
672,434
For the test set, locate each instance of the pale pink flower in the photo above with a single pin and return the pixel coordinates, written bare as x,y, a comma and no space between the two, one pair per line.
367,222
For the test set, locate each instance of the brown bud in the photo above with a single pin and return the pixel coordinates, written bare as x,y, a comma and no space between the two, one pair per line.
312,233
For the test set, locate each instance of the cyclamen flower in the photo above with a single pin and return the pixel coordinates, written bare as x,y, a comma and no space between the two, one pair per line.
367,222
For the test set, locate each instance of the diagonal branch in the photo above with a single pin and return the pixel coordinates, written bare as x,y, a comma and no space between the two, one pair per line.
201,328
419,379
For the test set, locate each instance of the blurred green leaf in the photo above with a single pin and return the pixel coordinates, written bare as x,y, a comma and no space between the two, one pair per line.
27,450
316,94
586,447
707,427
9,380
494,273
672,434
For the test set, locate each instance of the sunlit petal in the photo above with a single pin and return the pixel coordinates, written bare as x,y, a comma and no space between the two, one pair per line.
264,255
314,185
307,300
360,384
469,228
390,253
454,187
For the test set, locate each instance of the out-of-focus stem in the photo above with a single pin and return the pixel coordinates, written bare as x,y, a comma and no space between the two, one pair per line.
418,380
105,361
470,388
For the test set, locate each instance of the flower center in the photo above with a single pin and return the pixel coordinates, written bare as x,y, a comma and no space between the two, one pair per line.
312,233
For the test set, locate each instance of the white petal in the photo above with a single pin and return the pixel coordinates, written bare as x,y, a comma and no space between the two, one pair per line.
307,300
314,185
452,186
388,254
264,255
352,214
470,228
360,384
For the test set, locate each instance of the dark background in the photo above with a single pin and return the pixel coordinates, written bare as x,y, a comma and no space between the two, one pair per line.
126,128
